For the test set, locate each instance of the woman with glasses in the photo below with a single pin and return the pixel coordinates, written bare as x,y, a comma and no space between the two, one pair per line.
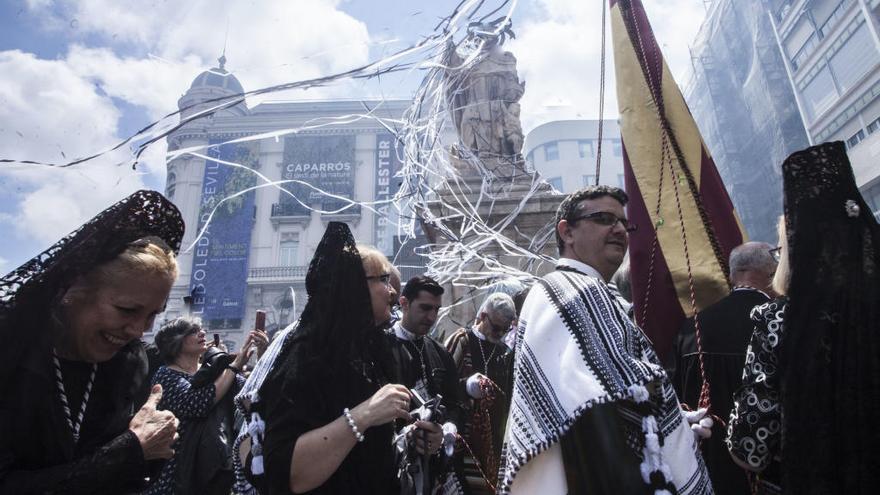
182,346
72,366
329,402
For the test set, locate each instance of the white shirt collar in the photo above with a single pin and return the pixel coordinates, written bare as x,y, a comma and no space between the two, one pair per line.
581,267
402,333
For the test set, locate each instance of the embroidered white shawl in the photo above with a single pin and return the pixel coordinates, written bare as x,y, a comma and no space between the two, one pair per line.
577,348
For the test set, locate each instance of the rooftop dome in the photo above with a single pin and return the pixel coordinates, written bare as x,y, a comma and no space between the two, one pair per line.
218,77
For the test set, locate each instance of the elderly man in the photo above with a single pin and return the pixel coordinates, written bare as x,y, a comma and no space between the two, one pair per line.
725,330
592,410
424,366
484,364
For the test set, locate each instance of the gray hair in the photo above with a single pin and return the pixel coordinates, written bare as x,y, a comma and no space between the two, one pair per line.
752,256
169,338
499,304
621,279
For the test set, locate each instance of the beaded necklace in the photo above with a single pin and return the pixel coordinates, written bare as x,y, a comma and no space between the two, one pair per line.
74,423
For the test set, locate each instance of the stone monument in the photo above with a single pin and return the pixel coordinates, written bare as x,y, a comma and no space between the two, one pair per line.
482,90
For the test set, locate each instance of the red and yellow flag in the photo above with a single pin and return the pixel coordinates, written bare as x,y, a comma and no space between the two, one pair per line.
686,222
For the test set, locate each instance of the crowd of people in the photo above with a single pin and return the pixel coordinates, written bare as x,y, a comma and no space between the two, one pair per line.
551,390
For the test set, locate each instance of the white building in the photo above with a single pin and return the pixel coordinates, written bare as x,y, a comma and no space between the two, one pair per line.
831,50
256,250
564,152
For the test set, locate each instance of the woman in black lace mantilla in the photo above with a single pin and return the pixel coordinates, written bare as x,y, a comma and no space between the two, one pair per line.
72,366
811,385
329,402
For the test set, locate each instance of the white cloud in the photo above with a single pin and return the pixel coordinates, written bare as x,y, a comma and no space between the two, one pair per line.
558,52
48,110
50,107
266,43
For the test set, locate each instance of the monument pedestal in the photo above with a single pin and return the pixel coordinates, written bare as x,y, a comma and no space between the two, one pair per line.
491,201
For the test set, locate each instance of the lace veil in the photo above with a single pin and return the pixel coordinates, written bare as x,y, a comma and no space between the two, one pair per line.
28,293
831,357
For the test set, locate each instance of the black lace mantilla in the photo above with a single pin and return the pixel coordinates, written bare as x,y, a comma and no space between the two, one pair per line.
830,365
143,214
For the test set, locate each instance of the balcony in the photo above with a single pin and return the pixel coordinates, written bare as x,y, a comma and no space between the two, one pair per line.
290,213
352,214
264,274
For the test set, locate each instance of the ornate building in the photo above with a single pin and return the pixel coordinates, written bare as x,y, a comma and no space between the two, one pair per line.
254,252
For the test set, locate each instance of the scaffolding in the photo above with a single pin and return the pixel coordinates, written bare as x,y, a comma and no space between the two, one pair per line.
743,104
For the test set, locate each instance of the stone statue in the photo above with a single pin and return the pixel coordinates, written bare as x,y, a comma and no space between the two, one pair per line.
483,96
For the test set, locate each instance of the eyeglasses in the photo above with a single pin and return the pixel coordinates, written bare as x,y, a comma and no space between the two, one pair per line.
776,253
606,218
385,278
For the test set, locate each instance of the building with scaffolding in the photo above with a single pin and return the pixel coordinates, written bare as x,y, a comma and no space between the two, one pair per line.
831,54
740,96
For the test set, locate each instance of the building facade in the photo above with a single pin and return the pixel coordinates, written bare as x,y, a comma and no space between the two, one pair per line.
831,50
256,209
743,103
564,153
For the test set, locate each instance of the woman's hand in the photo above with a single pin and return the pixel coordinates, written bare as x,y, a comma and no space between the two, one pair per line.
244,354
261,341
155,430
388,403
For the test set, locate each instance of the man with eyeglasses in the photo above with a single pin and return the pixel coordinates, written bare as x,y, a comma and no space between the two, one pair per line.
424,366
592,408
725,330
485,370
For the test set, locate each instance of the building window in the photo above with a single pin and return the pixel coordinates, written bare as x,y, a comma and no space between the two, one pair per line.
289,248
872,197
170,185
556,182
590,180
855,139
585,148
551,151
530,158
820,94
856,57
873,126
617,146
621,182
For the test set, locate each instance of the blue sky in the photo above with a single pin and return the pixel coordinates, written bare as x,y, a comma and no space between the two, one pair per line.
81,75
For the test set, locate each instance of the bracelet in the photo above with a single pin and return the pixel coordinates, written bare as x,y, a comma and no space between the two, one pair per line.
352,425
233,368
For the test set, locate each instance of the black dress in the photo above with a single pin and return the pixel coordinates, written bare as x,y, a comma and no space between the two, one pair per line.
37,450
295,407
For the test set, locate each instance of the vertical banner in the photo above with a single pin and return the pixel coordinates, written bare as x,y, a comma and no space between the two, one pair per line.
220,260
325,162
387,165
687,224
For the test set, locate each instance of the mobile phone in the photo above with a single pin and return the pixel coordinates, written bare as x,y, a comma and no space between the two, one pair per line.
260,321
216,339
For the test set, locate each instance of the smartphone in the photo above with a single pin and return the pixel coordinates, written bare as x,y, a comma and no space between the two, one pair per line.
216,339
260,322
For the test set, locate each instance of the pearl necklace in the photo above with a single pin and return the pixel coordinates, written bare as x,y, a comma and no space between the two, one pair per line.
74,423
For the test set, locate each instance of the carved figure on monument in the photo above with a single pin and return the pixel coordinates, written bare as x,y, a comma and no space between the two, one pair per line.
484,95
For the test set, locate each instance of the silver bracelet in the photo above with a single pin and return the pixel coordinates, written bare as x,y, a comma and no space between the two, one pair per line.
352,425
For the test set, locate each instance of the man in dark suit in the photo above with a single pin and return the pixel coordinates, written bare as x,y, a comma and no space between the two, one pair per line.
725,330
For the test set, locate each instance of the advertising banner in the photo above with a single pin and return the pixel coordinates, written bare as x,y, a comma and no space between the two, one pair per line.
220,259
325,162
387,165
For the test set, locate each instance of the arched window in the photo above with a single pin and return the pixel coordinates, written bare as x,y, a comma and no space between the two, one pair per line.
170,185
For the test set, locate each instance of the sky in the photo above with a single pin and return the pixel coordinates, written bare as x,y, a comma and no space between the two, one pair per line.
79,76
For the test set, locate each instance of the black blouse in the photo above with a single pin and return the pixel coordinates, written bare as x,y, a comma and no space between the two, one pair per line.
317,398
